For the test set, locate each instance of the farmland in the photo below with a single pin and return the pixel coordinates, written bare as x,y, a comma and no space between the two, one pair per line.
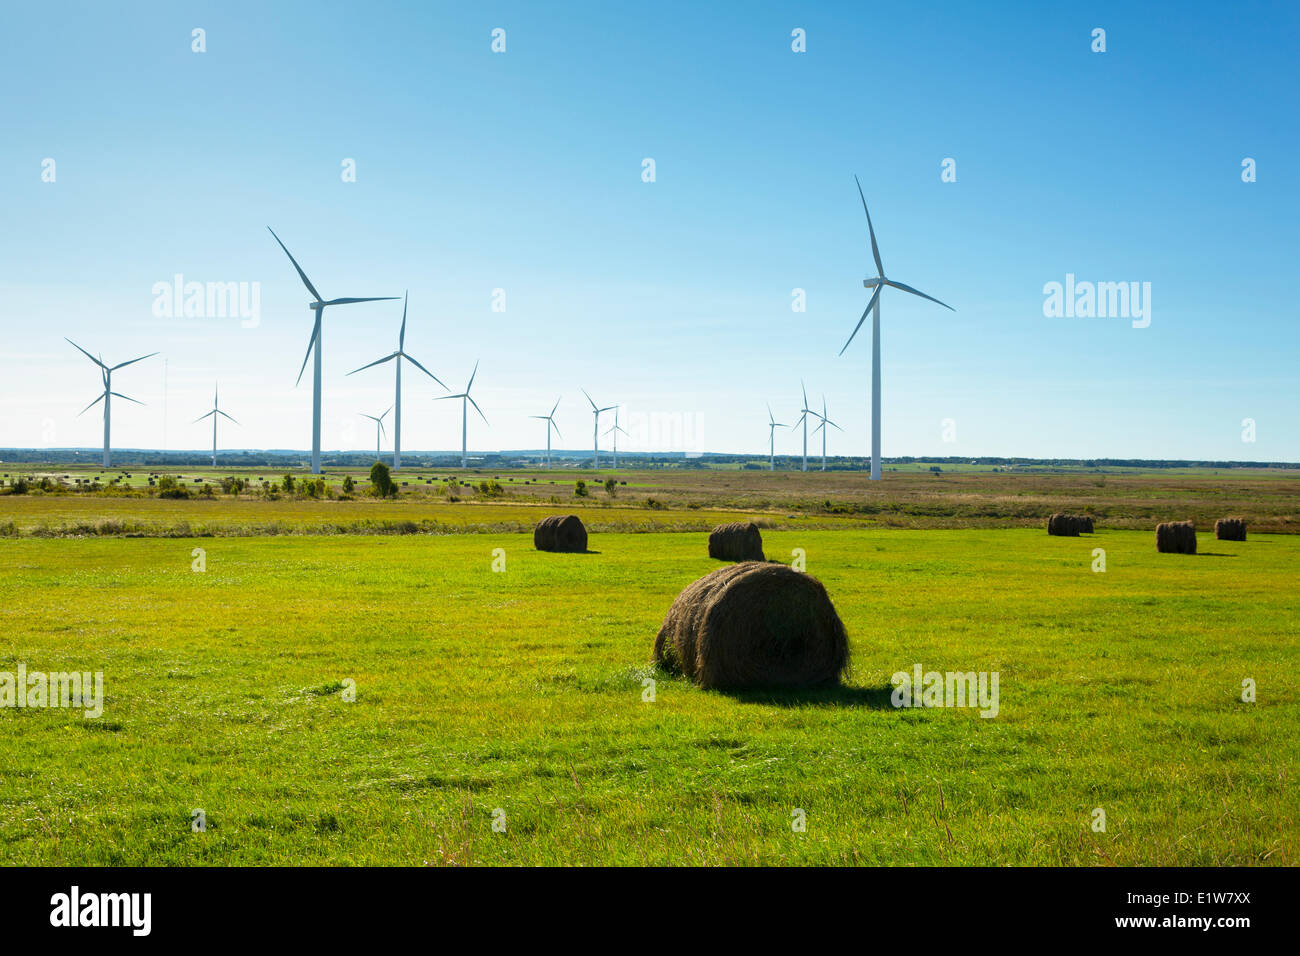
519,695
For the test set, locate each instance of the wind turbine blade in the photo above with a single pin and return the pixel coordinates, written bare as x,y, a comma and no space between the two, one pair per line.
385,415
874,296
555,426
91,405
379,298
84,352
423,369
544,418
771,419
443,398
127,397
477,409
383,431
302,275
557,405
315,331
140,359
908,288
875,250
224,415
607,408
829,422
386,358
805,395
401,336
471,380
201,417
584,392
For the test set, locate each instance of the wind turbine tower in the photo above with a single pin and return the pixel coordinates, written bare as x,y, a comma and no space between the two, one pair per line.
466,401
878,283
317,305
106,374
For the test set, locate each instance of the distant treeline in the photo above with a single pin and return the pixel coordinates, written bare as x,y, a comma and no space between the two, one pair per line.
276,458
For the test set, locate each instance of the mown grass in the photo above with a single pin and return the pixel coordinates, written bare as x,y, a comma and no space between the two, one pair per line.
523,691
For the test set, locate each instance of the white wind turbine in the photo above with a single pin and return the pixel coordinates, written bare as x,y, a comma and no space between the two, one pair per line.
614,431
595,429
550,423
106,373
317,305
804,412
379,429
772,426
878,283
397,403
216,410
464,416
822,428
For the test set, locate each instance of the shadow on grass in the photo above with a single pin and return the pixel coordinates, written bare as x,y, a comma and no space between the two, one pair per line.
874,698
1215,554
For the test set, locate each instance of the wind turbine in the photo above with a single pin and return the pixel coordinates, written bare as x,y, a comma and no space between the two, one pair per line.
822,427
216,410
397,404
317,305
595,429
878,283
106,373
614,431
378,429
804,412
464,416
772,426
550,423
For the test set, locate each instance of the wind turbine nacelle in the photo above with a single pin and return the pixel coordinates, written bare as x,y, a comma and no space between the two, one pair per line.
870,283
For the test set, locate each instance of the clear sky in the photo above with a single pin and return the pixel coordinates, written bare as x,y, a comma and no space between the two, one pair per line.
522,171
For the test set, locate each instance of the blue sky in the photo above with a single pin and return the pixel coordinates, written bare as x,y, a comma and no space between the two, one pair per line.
522,171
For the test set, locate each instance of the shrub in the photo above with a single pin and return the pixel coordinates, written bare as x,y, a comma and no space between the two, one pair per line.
287,484
348,485
580,489
169,487
381,481
611,486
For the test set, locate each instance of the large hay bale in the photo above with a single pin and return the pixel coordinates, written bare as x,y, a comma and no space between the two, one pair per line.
754,624
1176,537
1064,525
1230,529
564,533
740,541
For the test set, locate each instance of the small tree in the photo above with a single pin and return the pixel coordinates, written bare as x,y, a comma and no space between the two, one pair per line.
611,486
287,484
348,484
580,489
381,480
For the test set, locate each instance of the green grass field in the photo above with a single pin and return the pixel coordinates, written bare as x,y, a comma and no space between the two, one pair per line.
522,691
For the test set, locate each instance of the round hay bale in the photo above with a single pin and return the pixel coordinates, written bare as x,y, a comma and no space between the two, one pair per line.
1176,537
1085,523
740,541
754,624
564,533
1061,525
1230,529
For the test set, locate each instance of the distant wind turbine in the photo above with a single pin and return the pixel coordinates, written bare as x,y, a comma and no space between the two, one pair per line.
878,283
106,373
804,412
379,429
317,305
595,429
216,410
614,431
822,428
550,423
464,416
397,403
772,426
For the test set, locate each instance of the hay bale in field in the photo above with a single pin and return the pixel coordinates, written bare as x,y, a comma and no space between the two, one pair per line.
739,541
1176,537
560,533
754,624
1064,525
1230,529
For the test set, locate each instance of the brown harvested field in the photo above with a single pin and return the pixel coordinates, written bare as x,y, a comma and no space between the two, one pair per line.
684,499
